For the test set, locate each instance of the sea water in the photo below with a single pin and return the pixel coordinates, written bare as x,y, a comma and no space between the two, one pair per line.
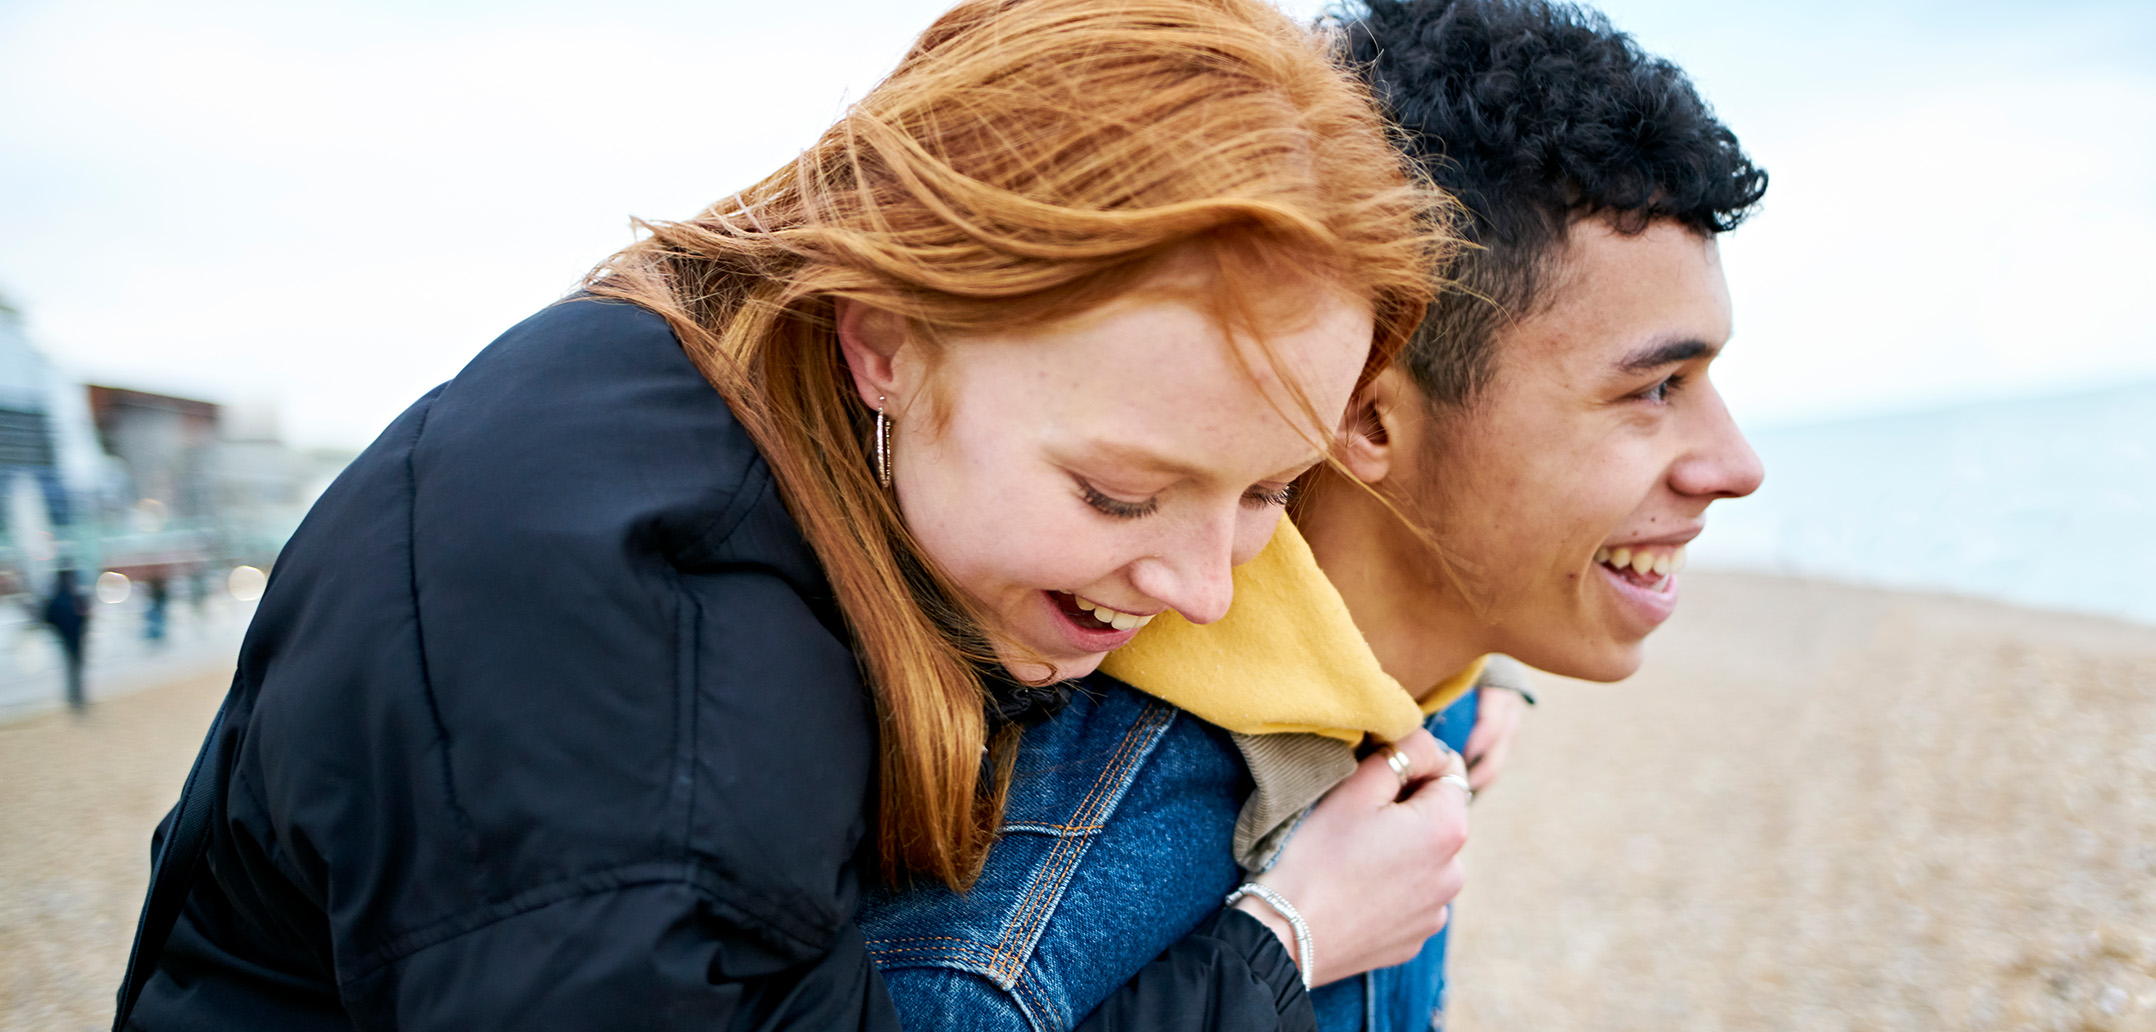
2048,502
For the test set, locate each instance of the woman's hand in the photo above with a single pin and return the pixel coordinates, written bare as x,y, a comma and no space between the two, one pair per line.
1372,872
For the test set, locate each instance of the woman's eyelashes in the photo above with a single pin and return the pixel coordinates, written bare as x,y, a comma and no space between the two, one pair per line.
1260,497
1110,505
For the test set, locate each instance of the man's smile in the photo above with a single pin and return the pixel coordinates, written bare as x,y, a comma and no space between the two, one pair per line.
1646,565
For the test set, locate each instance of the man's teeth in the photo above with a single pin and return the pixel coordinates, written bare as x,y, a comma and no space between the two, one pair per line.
1116,618
1643,561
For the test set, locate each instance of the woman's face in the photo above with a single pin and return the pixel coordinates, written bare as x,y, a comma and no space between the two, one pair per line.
1081,477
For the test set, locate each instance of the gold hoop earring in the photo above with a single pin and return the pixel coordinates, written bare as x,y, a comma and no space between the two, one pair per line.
883,446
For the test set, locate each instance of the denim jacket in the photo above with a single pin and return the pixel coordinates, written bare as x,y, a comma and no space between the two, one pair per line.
1116,843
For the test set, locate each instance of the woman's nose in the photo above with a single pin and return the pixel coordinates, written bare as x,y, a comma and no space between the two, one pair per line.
1193,573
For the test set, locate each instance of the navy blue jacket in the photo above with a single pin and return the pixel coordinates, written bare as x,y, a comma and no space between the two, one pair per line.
548,720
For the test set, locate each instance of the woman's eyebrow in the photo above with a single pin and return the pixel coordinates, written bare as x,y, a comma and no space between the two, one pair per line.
1147,459
1141,457
1655,356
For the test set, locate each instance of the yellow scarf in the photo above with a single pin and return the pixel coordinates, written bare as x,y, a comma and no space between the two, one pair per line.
1286,658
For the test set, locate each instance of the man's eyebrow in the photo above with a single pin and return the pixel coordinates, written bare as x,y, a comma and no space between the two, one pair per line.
1655,356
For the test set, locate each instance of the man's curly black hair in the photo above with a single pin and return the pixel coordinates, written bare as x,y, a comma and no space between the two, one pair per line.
1536,114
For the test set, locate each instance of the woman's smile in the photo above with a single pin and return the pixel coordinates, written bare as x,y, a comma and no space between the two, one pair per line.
1091,628
998,441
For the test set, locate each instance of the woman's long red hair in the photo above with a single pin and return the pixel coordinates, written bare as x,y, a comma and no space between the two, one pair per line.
1028,159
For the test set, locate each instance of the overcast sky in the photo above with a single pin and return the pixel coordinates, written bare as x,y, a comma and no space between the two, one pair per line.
334,205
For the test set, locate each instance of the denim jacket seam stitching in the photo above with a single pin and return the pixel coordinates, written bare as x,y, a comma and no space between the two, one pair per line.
1031,912
956,957
963,949
1146,731
1053,864
1018,930
891,945
1044,1011
1036,826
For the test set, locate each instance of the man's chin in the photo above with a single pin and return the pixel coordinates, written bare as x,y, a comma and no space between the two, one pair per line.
1605,661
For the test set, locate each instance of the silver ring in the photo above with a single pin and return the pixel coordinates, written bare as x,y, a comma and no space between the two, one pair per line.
1402,767
1455,779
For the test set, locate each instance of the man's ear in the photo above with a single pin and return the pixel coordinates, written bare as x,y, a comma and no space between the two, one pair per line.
1377,418
870,339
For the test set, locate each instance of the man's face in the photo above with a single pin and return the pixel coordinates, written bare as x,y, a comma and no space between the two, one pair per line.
1567,491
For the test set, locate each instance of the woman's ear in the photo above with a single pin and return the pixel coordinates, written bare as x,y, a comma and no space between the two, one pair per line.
1375,421
870,339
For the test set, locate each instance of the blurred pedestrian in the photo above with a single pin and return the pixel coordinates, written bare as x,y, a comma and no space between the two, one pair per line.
69,614
153,620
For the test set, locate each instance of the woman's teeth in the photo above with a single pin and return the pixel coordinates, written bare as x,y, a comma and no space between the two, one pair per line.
1657,561
1112,617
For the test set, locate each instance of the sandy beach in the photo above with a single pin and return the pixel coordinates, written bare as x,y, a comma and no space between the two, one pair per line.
79,795
1818,807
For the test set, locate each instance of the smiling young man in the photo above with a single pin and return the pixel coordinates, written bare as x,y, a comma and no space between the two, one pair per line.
1552,437
1552,430
1540,458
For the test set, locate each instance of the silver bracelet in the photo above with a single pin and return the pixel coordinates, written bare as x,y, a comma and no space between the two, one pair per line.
1285,909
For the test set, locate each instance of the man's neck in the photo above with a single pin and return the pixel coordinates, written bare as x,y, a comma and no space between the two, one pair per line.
1386,575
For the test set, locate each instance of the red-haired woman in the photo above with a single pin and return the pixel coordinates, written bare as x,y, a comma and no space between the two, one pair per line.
588,695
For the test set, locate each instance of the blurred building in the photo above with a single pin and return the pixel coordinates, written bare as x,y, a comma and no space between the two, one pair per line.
52,472
25,430
166,444
169,527
211,484
154,486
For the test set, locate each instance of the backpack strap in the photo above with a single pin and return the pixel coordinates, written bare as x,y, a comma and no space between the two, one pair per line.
173,869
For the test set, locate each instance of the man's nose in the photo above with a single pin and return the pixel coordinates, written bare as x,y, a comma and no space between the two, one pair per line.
1719,462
